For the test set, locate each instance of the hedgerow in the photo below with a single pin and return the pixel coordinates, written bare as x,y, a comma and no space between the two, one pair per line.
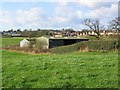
87,46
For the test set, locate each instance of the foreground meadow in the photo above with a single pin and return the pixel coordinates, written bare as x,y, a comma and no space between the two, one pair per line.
70,70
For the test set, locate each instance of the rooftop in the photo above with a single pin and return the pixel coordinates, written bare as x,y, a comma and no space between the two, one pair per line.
66,38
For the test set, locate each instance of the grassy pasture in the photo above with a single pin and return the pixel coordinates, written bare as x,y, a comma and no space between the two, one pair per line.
71,70
9,41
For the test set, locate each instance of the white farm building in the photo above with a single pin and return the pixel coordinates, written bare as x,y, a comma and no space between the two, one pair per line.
24,43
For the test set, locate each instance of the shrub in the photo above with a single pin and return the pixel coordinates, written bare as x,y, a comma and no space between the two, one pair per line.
32,41
102,45
42,43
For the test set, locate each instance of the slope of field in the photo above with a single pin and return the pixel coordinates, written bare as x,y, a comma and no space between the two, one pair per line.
73,70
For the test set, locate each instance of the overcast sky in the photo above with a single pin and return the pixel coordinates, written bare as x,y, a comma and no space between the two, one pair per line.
54,14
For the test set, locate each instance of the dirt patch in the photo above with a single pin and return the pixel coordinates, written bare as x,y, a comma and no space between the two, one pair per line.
24,52
84,49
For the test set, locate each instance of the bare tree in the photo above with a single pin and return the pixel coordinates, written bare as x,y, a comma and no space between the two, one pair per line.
115,24
95,25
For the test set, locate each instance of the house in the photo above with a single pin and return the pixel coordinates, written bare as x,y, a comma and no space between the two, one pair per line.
110,33
92,33
58,35
15,35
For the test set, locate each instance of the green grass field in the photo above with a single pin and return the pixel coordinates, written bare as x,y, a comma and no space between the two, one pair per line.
9,41
73,70
70,70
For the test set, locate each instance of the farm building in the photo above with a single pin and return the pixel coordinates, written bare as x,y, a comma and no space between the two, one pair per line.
61,41
24,43
15,35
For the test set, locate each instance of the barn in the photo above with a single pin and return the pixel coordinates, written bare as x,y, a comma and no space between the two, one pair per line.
55,42
52,42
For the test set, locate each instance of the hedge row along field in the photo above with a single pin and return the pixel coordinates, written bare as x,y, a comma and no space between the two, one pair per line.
88,46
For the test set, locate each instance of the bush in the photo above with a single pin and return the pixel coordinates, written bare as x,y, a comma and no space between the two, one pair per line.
42,43
32,41
87,46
